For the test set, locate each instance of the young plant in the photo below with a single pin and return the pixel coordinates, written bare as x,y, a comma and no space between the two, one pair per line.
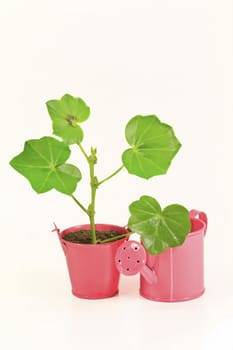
152,146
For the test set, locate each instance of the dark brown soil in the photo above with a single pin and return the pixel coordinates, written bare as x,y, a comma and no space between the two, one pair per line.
84,236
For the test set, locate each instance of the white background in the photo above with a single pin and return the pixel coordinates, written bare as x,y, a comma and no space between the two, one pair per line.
169,58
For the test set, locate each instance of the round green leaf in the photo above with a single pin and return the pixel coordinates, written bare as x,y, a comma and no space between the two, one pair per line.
42,162
154,145
159,228
66,114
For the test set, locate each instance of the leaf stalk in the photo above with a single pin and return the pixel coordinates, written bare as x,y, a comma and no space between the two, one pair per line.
110,176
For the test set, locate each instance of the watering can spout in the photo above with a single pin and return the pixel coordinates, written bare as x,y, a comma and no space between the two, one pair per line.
149,275
130,259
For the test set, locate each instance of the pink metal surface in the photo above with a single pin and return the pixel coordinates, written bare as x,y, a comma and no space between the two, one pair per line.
131,259
177,274
180,270
91,267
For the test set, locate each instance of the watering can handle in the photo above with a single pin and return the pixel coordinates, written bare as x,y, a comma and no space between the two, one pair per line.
200,215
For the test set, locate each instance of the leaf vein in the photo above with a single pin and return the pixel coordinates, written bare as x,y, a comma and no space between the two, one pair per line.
36,151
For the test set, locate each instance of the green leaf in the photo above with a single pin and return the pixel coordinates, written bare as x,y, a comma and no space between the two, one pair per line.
66,114
154,145
42,162
159,228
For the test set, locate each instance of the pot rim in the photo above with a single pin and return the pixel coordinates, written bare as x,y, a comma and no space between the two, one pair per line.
91,245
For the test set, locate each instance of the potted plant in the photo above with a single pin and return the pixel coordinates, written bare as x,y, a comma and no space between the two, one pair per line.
90,249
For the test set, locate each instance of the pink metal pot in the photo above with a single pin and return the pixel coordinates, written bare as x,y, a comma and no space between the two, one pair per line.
177,274
91,267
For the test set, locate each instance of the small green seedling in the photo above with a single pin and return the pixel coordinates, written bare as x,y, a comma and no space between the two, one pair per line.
152,146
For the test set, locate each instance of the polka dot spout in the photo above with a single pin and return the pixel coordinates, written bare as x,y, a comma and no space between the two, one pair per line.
131,259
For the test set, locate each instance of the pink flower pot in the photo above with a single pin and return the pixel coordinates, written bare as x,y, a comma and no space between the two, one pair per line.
91,267
180,270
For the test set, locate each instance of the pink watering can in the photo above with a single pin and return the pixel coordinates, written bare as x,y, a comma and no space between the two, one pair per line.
177,274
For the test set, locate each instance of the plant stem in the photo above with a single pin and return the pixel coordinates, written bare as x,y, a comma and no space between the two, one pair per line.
83,152
92,159
114,238
91,208
81,206
110,176
94,183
